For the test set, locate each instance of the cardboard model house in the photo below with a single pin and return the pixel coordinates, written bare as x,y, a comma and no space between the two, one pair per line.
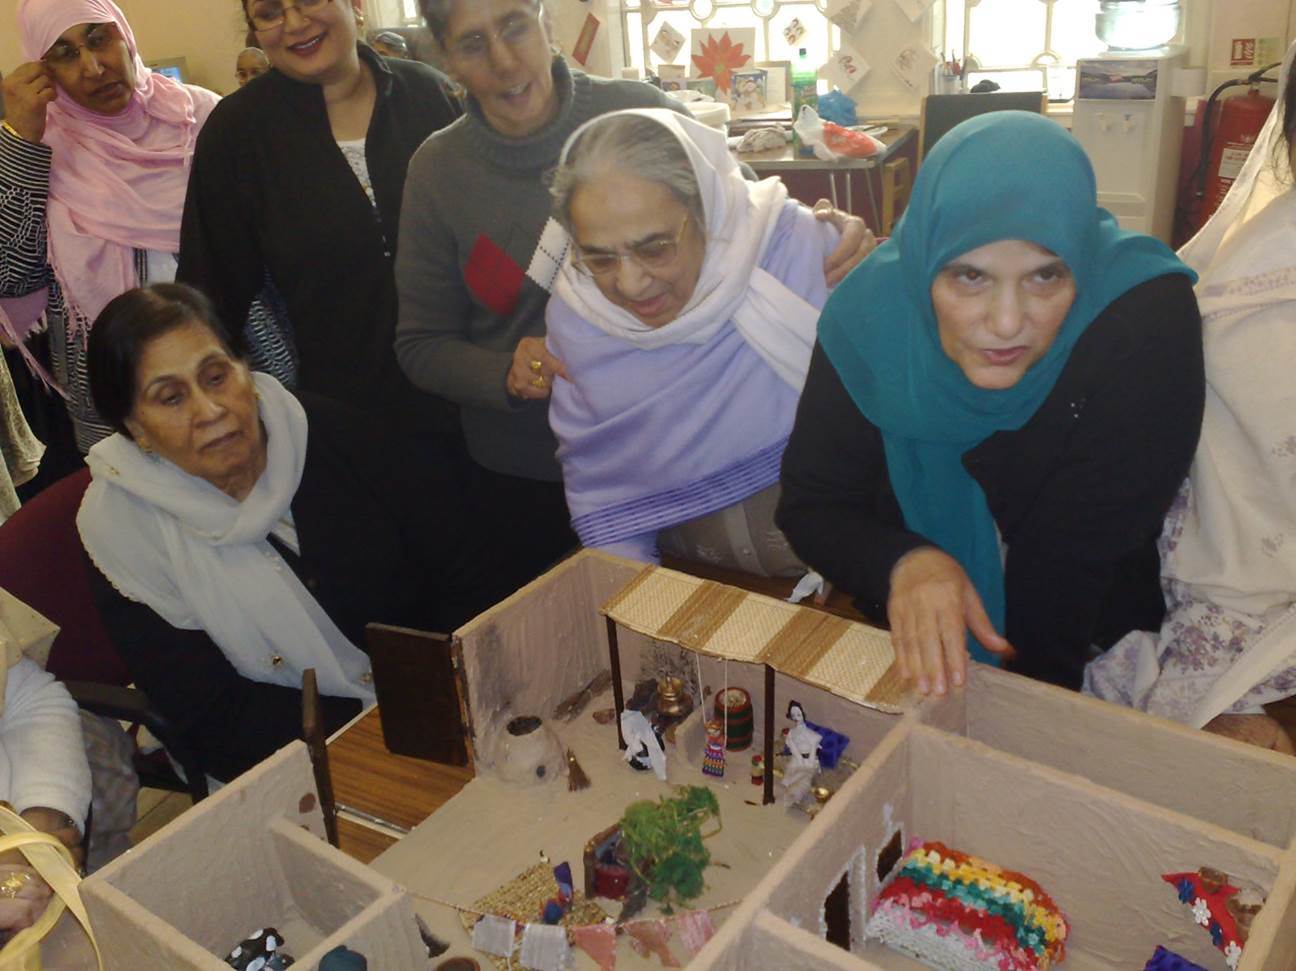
1092,801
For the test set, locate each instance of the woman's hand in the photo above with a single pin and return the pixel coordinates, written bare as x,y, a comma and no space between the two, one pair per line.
932,606
23,897
28,91
857,241
1262,730
533,370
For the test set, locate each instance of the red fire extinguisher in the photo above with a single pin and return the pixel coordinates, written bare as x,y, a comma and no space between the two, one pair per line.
1240,121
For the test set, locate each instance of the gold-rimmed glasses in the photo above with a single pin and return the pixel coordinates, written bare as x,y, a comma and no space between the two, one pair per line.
655,254
269,14
97,39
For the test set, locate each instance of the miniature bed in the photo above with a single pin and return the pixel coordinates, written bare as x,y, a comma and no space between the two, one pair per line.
1094,802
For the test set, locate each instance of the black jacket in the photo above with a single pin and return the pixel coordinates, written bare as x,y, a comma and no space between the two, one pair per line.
1078,492
378,541
271,191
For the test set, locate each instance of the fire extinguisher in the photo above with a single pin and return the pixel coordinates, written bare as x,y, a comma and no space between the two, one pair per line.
1229,130
1240,121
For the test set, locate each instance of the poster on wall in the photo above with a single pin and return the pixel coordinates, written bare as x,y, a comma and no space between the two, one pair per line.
913,65
913,8
847,14
667,43
585,41
716,53
845,68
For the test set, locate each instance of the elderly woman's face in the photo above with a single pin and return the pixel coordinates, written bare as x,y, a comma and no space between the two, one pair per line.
499,52
650,243
196,406
94,67
998,309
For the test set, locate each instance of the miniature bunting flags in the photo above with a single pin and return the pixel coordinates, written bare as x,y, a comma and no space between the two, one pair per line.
599,942
494,935
1207,893
695,929
545,948
652,937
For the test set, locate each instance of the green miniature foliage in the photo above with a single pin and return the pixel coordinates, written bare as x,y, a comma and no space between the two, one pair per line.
663,842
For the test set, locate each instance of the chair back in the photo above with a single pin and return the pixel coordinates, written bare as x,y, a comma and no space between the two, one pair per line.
941,112
43,564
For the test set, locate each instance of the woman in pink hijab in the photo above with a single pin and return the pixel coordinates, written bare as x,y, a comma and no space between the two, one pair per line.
95,151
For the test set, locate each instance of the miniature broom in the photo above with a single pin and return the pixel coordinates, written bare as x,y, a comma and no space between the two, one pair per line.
576,777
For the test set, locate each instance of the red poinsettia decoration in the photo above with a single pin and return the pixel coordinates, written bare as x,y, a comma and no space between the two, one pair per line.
719,58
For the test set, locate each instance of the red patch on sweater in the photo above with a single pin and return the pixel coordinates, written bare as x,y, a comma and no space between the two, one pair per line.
495,280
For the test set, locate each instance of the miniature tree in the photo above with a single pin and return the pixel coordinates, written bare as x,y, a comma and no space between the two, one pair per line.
662,842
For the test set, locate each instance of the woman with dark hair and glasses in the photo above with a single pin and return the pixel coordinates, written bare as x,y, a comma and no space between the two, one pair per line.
94,160
241,534
300,177
685,318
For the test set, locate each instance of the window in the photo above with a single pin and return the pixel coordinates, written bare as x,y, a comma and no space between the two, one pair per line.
771,19
409,14
1023,45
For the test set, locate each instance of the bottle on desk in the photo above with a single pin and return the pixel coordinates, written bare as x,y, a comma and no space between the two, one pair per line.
805,91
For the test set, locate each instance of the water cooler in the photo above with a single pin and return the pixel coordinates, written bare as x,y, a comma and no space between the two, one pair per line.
1130,121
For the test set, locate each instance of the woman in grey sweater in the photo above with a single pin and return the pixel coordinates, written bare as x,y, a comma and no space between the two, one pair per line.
479,252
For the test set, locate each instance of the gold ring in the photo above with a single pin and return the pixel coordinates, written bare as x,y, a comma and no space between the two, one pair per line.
538,381
535,366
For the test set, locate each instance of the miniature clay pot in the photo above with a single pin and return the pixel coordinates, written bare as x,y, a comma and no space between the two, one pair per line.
527,752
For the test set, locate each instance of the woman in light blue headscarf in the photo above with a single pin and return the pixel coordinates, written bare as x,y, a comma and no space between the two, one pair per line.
1004,399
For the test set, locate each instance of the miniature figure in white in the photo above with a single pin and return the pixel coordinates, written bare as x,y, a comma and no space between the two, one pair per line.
803,757
643,747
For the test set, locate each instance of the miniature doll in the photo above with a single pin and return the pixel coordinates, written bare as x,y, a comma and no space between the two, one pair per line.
643,747
803,757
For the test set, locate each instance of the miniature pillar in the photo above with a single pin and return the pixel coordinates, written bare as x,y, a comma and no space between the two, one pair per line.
769,736
618,694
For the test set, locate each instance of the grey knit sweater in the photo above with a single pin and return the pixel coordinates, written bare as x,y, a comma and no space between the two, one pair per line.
477,256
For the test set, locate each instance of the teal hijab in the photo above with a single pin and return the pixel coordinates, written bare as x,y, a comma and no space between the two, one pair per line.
1003,175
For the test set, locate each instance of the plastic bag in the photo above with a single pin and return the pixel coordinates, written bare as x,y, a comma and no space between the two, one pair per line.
830,141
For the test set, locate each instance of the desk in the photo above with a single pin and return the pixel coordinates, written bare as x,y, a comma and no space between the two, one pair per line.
899,140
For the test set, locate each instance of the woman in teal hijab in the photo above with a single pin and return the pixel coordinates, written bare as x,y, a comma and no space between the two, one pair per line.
1004,399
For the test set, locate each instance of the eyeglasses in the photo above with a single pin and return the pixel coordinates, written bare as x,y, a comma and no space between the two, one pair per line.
517,31
656,254
97,39
269,14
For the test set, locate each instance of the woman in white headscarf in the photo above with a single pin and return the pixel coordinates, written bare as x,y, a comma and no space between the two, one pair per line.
1228,645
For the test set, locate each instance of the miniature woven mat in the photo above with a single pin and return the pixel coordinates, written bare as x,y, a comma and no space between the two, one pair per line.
523,898
849,659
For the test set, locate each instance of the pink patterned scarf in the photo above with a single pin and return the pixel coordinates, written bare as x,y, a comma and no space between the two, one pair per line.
117,182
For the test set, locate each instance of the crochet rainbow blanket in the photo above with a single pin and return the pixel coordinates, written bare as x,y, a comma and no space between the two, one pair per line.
955,912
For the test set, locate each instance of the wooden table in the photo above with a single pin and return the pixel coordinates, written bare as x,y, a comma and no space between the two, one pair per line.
787,165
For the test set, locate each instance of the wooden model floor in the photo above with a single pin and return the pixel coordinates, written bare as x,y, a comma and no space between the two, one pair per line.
491,831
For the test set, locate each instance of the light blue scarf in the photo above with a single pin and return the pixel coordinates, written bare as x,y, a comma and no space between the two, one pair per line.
1004,175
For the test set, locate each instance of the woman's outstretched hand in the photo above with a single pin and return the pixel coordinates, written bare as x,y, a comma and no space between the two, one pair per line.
931,608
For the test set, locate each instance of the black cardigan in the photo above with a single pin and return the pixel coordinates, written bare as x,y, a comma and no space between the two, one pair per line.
380,539
270,191
1078,493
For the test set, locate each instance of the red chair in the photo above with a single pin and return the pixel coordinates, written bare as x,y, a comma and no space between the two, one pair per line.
42,563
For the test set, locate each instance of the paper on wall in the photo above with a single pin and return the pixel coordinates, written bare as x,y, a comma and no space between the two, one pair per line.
913,65
847,14
667,43
913,8
845,68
